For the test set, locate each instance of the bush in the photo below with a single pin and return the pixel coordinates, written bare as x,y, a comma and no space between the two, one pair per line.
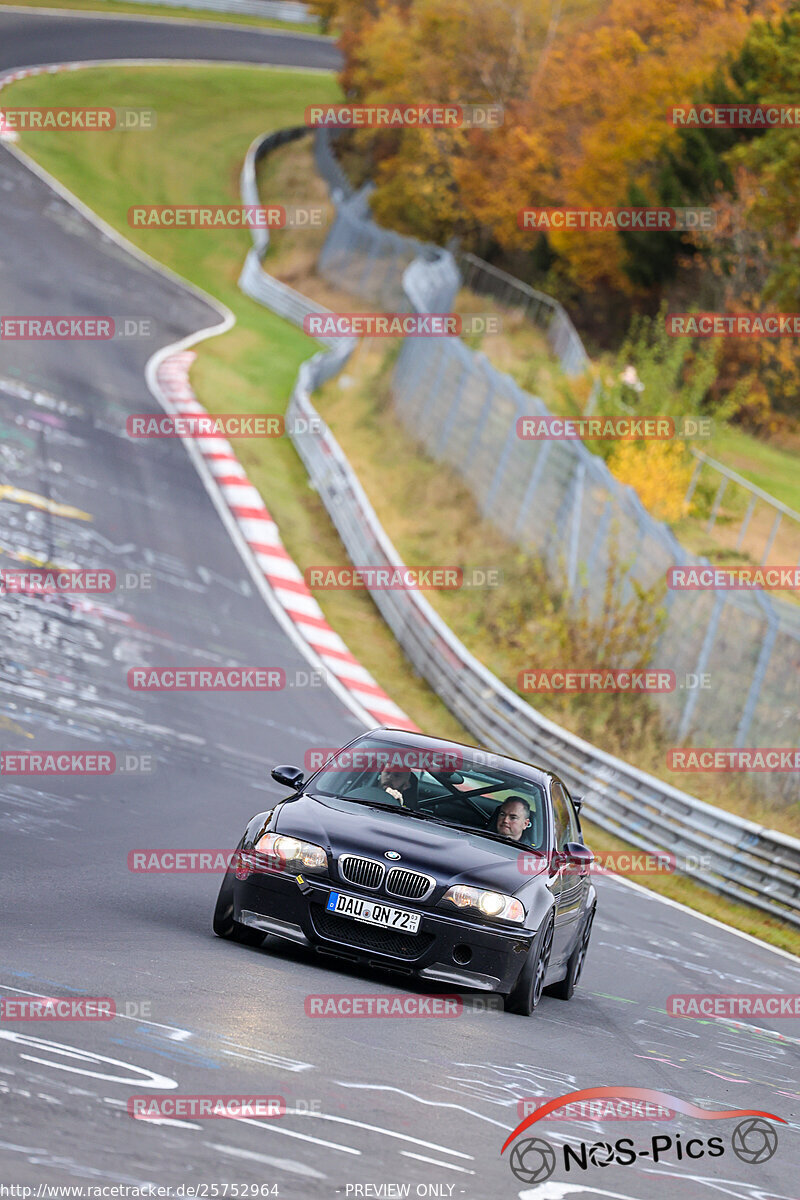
659,473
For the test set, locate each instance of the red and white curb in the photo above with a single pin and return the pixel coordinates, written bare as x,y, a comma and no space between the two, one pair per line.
11,135
278,568
7,134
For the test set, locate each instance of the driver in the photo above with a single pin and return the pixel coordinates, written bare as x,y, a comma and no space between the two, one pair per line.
513,817
400,783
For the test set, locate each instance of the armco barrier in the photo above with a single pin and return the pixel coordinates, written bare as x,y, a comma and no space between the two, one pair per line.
275,10
748,863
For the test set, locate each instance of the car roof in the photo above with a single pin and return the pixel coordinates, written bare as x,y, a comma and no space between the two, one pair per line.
406,738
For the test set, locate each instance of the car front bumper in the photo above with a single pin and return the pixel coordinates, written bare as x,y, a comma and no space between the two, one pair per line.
448,949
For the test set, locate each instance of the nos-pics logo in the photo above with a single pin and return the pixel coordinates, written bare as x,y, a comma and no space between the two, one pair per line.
533,1160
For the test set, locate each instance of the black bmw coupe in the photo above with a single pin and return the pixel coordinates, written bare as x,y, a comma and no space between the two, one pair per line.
425,857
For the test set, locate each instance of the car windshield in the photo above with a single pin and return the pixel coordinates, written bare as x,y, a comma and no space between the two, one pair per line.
463,788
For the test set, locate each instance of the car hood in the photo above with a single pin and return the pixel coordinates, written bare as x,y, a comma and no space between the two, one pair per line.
450,855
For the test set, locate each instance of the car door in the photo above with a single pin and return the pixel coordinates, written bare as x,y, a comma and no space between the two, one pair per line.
568,885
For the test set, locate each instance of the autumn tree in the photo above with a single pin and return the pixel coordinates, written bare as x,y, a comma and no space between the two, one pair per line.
751,260
585,113
455,51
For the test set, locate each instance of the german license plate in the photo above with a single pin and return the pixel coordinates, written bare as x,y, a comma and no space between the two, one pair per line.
373,912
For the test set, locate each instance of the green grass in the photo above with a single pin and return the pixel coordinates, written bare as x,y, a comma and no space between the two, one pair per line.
766,464
104,7
207,118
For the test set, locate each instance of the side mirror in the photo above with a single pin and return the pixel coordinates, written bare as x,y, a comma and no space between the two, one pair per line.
291,777
576,858
578,853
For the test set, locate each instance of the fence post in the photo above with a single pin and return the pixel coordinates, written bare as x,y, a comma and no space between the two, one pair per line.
555,330
500,468
760,671
723,483
574,533
746,522
600,536
447,423
591,403
533,483
771,539
693,482
702,662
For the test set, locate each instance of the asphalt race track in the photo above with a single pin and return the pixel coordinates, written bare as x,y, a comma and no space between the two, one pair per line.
419,1102
28,39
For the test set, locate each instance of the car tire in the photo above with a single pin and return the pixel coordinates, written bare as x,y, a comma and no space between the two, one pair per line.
527,991
224,924
565,988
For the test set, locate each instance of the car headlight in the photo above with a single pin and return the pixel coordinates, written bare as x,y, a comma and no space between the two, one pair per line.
490,904
290,853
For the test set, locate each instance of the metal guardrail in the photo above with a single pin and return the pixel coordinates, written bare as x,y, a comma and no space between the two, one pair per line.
277,296
748,863
330,168
276,10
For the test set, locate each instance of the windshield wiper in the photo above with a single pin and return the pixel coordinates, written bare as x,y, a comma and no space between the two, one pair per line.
423,816
367,803
409,812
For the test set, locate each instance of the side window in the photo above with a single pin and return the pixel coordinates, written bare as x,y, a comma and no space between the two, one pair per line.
429,788
566,828
575,834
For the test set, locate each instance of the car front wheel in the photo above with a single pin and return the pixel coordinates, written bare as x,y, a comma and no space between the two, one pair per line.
565,988
224,924
527,991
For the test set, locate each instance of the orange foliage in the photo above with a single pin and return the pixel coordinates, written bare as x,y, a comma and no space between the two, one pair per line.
602,110
585,109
